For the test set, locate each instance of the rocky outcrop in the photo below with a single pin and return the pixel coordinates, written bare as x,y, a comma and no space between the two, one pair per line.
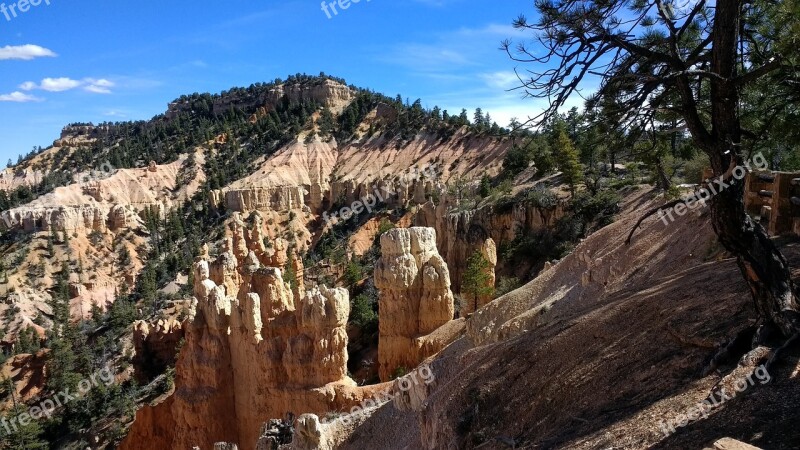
731,444
81,218
325,176
253,351
327,92
414,285
312,434
281,198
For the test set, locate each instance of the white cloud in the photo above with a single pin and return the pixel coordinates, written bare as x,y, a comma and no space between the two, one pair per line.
101,86
58,84
115,113
101,82
97,86
458,50
19,97
25,52
97,89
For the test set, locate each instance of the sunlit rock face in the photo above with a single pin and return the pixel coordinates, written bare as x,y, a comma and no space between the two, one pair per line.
253,351
414,286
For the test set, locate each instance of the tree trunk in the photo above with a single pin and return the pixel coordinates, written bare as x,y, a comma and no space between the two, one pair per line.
663,179
760,261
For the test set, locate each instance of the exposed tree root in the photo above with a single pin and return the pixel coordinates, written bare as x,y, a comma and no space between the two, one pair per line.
778,352
748,373
690,341
649,213
754,367
732,350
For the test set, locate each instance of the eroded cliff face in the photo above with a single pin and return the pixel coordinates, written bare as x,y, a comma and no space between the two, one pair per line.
319,176
253,351
155,346
110,203
460,234
329,93
415,298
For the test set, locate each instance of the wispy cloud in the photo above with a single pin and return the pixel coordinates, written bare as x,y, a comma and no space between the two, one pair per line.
458,49
115,113
469,70
501,80
97,86
19,97
25,52
101,86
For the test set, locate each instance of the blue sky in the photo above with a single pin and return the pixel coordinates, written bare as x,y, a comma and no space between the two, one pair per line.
98,60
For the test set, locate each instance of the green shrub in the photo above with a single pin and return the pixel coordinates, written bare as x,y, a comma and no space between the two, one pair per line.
362,313
353,273
506,285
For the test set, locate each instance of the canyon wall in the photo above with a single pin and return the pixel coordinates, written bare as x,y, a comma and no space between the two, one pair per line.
155,346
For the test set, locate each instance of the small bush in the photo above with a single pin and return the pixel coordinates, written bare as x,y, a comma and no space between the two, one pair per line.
506,285
363,315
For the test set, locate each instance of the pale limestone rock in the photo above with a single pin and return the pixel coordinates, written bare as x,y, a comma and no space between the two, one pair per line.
308,433
731,444
410,393
414,285
225,446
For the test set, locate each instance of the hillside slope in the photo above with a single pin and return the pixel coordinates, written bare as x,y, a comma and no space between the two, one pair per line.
597,352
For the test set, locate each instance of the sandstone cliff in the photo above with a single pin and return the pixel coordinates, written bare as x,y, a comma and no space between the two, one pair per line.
329,93
322,175
155,346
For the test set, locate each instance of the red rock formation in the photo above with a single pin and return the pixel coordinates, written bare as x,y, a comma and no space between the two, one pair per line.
253,352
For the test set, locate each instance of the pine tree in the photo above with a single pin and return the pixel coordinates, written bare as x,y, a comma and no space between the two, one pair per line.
478,117
567,158
51,239
21,437
476,283
463,119
486,186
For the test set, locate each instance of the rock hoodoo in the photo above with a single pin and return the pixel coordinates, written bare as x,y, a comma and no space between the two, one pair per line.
252,350
414,286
